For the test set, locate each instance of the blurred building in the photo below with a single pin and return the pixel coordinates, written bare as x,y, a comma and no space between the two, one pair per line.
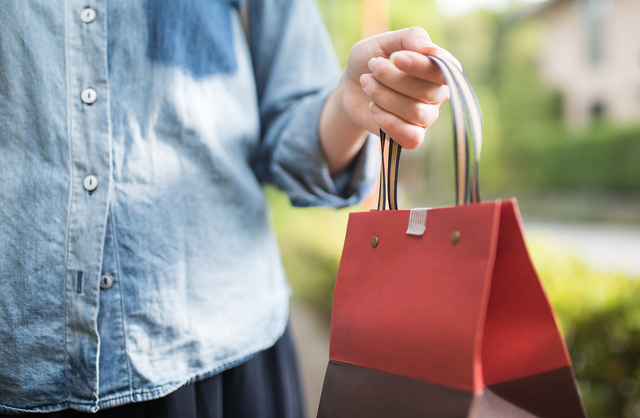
592,56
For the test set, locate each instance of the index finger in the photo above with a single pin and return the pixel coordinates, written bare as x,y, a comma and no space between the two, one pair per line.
421,66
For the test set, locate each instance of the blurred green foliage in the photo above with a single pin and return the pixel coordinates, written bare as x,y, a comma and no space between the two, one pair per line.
600,319
603,159
342,18
598,312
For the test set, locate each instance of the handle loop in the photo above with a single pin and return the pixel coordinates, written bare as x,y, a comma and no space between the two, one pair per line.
467,128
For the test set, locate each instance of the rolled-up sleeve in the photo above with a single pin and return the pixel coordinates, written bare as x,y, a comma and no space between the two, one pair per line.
296,70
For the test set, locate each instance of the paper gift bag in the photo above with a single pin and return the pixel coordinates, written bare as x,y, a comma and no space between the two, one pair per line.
439,312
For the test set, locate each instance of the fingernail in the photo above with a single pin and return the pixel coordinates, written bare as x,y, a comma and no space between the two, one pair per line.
365,79
374,108
431,49
372,63
428,44
400,60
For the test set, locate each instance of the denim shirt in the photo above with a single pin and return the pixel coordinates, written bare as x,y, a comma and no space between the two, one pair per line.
135,249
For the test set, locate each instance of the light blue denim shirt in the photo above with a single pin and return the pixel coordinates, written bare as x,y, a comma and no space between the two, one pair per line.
167,272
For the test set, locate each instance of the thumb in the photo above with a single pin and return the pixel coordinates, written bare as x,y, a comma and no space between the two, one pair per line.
411,39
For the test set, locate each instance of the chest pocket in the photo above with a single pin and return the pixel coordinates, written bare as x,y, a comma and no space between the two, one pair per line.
195,35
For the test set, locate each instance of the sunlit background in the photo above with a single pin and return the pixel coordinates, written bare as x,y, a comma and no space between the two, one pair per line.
559,85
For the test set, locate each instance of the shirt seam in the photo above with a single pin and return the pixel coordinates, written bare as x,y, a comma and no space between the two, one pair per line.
108,205
120,284
70,202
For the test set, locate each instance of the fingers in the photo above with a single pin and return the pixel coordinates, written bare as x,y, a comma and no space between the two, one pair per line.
410,110
412,39
418,65
405,87
403,105
409,136
419,89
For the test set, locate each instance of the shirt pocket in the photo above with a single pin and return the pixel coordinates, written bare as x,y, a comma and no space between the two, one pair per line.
195,35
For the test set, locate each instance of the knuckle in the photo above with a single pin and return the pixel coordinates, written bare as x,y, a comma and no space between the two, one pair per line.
361,44
446,93
374,91
435,114
414,139
381,71
430,96
417,31
436,95
426,96
420,114
391,124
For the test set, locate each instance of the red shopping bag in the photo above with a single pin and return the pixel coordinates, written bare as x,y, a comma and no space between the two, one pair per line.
440,313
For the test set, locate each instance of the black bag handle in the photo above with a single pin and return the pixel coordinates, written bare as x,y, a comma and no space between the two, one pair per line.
467,128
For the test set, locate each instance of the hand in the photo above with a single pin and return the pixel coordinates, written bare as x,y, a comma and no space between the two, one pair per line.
388,84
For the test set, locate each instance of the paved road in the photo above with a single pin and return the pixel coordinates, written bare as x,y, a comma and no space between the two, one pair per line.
311,336
605,247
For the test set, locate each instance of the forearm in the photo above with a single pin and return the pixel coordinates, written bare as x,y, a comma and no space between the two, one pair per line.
340,138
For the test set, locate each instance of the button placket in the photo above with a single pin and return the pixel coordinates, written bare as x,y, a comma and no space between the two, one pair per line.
87,71
89,96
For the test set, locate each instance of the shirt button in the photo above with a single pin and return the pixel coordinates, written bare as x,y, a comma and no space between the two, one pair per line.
106,281
89,95
90,183
88,15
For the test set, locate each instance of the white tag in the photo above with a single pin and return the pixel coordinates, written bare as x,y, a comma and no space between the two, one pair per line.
417,221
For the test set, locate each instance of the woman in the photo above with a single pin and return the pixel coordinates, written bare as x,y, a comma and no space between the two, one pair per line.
139,273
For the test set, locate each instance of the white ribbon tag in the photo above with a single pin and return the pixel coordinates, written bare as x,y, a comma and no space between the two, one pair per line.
417,221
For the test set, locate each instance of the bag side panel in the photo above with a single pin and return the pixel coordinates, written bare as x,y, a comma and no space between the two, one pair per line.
521,337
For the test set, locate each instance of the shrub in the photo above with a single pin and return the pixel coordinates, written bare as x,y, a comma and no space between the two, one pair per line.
599,315
604,159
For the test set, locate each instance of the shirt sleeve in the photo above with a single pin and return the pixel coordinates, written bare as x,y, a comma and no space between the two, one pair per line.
296,69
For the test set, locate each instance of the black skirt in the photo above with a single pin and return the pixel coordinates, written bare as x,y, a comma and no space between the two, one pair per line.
266,386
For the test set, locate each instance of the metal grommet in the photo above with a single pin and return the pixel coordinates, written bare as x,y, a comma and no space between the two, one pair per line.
374,242
106,281
455,237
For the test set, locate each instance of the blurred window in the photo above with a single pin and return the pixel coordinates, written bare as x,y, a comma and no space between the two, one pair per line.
596,14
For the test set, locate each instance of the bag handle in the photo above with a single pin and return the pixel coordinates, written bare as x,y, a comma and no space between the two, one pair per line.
467,128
